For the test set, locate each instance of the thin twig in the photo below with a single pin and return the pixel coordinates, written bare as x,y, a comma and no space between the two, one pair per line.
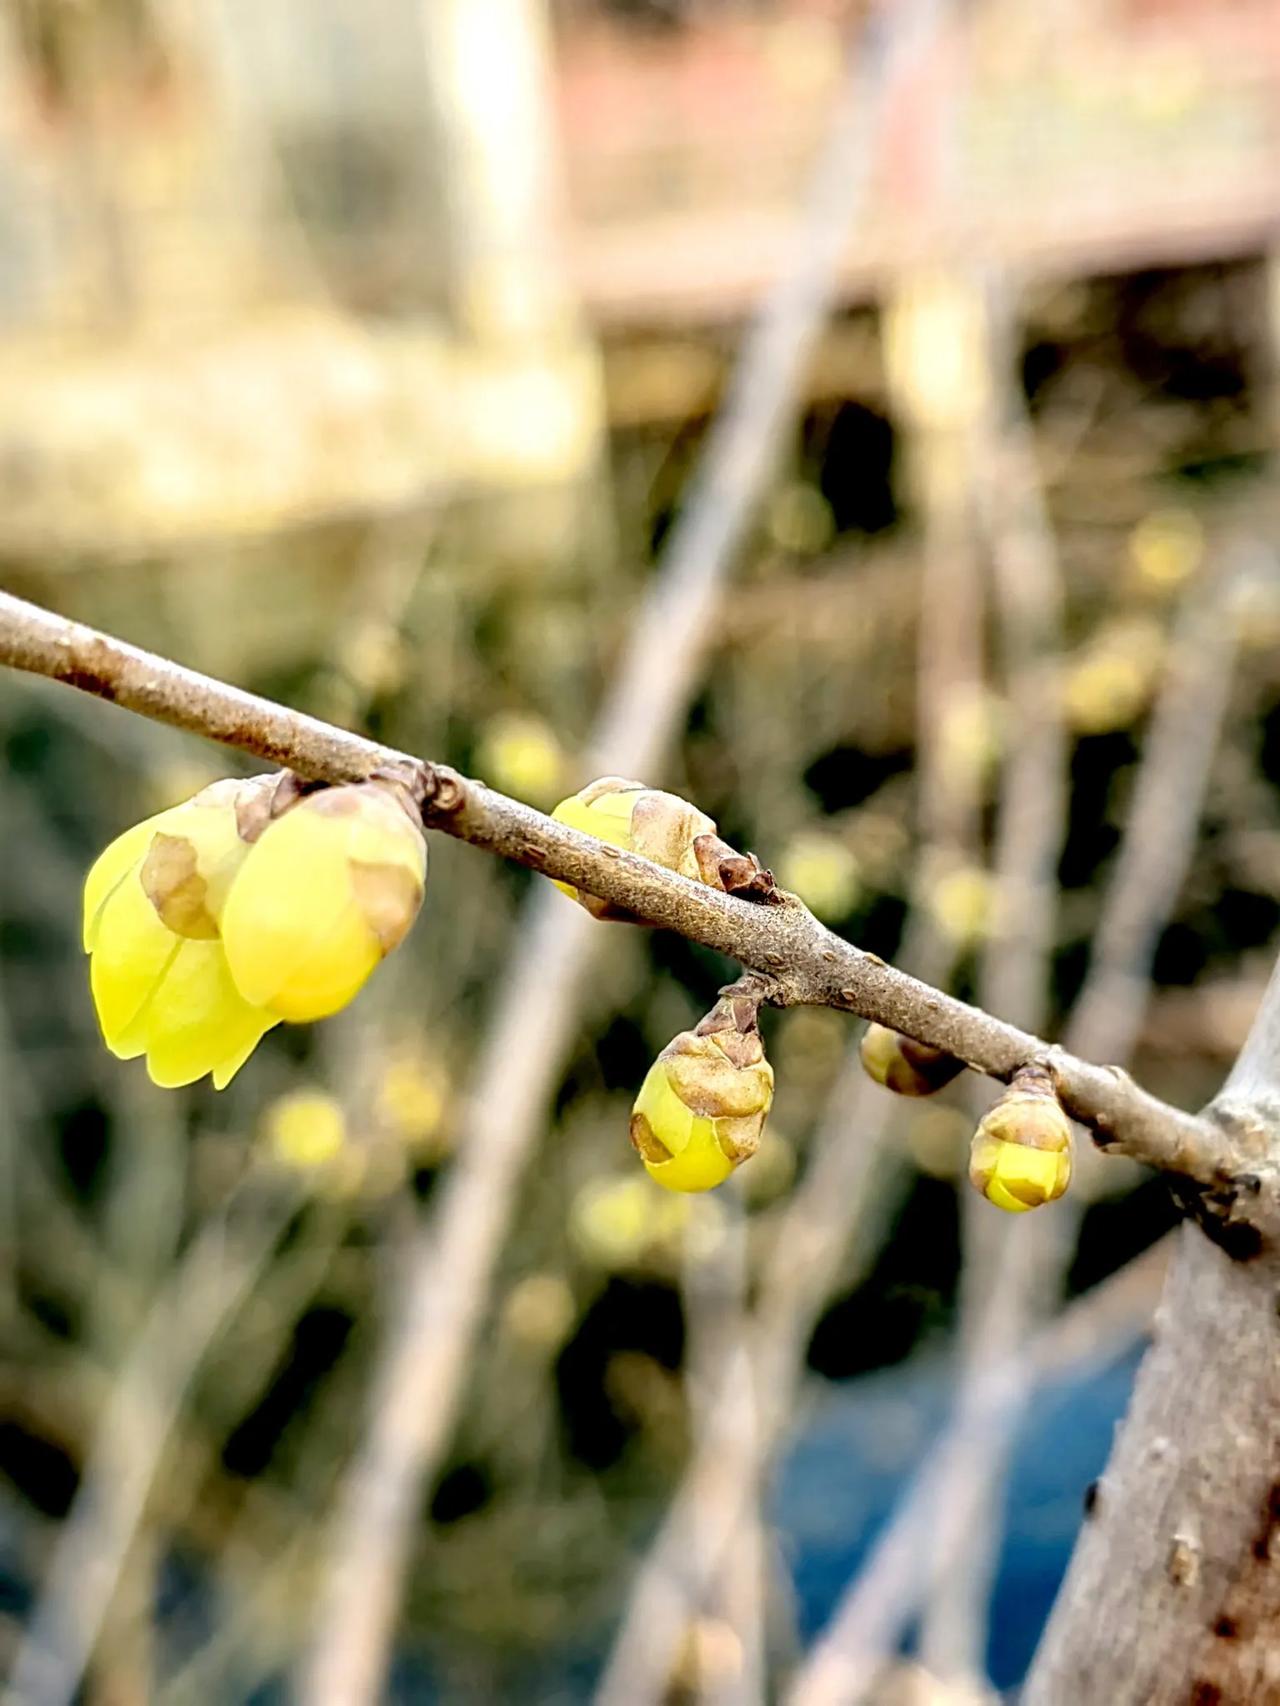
94,1541
720,1393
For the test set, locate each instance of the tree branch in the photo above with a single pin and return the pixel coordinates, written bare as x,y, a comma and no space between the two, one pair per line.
806,963
420,1369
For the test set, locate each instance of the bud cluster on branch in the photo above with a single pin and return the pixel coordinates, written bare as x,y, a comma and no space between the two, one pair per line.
727,902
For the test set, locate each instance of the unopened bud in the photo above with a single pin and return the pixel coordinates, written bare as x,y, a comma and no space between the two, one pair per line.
702,1106
905,1066
1021,1155
656,825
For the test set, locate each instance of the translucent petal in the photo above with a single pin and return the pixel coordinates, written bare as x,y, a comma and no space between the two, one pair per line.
608,819
1002,1198
332,973
111,866
132,951
198,1022
381,833
295,939
700,1165
697,1161
226,1069
208,821
1027,1177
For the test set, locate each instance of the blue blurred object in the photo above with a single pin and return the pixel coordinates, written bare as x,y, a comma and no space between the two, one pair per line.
844,1475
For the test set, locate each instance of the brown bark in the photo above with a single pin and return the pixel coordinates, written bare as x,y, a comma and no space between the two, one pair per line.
1173,1595
801,962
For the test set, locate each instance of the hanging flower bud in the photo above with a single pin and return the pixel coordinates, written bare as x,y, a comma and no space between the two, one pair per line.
658,826
329,889
903,1065
703,1102
1021,1155
157,970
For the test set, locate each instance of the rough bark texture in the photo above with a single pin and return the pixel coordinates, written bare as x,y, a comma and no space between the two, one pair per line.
1173,1595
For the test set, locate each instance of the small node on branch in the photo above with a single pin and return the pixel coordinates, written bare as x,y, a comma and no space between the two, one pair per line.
1021,1155
905,1066
723,867
702,1106
438,791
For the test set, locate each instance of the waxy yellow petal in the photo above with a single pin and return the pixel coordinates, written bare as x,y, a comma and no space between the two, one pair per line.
111,867
660,1122
327,891
198,1022
1024,1178
132,951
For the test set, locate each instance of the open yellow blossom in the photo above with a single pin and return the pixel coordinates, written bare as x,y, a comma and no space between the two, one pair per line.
328,890
158,974
701,1108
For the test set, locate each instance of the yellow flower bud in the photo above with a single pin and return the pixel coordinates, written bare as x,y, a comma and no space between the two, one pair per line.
157,970
658,826
328,890
905,1066
702,1106
412,1100
1021,1156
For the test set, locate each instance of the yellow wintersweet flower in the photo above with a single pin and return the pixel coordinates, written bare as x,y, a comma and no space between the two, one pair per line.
1021,1156
328,890
412,1100
1019,1178
656,825
702,1107
157,970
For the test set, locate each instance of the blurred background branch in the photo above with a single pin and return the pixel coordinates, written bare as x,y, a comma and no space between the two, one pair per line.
406,364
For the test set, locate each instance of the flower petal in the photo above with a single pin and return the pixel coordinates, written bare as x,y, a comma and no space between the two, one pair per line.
198,1022
295,938
111,867
132,952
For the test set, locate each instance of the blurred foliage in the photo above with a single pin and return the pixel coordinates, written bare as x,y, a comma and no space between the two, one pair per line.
481,632
801,744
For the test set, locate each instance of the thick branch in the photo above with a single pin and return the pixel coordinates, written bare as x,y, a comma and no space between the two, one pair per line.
807,963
